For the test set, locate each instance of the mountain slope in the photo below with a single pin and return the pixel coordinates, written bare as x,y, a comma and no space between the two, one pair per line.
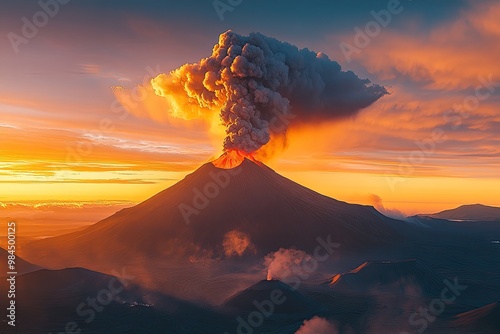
409,277
246,210
285,299
485,320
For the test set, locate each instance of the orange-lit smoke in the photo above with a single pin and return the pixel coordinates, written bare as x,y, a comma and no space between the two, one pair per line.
232,158
236,243
256,86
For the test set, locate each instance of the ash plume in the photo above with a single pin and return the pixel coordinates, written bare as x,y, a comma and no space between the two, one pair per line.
258,85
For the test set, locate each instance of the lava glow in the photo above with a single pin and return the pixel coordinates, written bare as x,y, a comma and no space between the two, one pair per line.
335,279
231,159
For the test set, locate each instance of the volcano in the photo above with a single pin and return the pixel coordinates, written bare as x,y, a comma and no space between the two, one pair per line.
216,213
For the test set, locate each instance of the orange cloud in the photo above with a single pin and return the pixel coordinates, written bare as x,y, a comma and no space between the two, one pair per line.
450,57
236,243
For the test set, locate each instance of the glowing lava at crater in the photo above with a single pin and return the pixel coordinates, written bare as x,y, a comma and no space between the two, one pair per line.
232,158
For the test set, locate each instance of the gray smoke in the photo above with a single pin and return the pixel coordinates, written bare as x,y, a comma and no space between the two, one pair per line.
258,85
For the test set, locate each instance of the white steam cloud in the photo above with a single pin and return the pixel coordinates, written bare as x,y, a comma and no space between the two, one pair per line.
285,262
317,325
377,203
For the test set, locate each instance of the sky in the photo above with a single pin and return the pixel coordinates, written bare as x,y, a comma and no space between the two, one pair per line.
68,135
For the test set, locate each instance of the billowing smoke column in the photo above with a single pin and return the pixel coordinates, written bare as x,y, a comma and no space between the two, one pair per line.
258,84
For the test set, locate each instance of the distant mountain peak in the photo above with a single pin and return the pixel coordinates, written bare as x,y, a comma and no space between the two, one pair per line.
477,205
469,212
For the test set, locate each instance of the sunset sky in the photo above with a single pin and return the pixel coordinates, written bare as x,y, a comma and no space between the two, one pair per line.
432,144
